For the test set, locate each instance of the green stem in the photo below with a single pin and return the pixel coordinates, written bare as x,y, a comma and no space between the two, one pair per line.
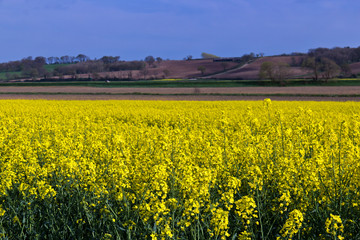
260,217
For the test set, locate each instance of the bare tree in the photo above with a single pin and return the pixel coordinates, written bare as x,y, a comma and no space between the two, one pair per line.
314,65
166,72
65,59
82,58
282,72
150,60
110,59
330,68
202,69
130,75
276,72
51,60
144,72
40,60
159,59
57,60
267,71
346,70
321,66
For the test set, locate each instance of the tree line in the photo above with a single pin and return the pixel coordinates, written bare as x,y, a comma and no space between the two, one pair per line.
67,65
19,65
327,63
26,65
322,63
96,67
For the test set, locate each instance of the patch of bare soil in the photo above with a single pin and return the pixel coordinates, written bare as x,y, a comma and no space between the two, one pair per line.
189,69
311,90
251,71
192,94
175,97
170,69
355,68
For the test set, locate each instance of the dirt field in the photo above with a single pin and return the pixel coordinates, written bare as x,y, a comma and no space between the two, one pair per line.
174,69
176,98
93,93
219,90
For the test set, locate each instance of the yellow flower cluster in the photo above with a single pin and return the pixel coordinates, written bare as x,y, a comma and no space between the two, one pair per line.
293,224
334,226
246,210
179,170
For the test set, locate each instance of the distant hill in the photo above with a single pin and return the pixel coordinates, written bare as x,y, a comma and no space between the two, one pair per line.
187,69
344,62
251,70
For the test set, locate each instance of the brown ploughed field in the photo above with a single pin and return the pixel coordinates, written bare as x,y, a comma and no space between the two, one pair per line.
313,93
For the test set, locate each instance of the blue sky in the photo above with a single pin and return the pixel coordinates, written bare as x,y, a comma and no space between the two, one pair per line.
134,29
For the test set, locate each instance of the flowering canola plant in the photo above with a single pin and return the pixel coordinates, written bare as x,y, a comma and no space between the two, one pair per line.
179,170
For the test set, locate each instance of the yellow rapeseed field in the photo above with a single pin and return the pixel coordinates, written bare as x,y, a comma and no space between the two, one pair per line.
179,170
